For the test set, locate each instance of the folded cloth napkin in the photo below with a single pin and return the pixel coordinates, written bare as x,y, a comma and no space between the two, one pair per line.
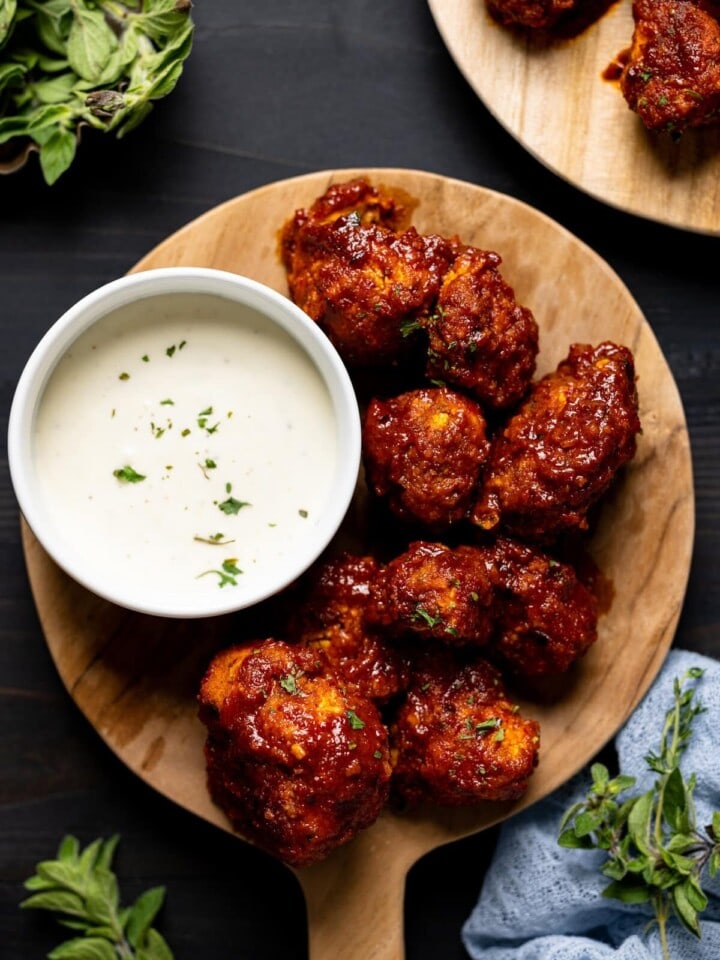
540,901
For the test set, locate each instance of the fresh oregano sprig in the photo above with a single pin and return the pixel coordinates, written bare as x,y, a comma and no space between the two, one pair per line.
655,851
80,888
69,64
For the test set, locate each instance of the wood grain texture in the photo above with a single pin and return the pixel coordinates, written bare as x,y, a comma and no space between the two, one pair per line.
552,98
135,677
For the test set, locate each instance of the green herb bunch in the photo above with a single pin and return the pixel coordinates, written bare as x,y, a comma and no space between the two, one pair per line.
81,889
656,853
65,64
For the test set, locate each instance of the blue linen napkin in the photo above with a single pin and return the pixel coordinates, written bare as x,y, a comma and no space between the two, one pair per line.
540,901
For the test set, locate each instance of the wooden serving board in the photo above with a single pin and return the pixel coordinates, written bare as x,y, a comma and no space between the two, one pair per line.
135,677
552,98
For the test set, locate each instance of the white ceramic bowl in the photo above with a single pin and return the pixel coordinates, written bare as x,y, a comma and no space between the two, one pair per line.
184,442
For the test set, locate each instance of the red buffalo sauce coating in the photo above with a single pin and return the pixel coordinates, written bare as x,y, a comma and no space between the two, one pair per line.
434,591
558,454
423,451
360,278
479,337
536,14
457,739
672,75
298,765
545,617
331,620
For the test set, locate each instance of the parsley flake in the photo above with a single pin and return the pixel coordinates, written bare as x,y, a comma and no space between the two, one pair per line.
289,683
232,507
355,722
128,475
227,575
421,615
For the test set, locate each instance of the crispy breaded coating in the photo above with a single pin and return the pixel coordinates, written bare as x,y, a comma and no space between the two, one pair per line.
457,739
535,14
362,281
434,591
479,337
330,619
561,450
298,765
546,619
672,77
424,450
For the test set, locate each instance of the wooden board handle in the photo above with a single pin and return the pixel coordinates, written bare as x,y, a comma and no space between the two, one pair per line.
355,910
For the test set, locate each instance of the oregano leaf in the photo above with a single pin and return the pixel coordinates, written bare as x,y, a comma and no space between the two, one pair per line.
90,43
56,154
82,948
142,914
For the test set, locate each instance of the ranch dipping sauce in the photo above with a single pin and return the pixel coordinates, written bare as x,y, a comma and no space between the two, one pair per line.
184,444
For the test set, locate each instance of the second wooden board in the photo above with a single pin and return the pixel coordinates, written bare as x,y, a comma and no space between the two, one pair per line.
553,99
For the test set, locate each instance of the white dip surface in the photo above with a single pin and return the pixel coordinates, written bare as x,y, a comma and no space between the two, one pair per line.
225,418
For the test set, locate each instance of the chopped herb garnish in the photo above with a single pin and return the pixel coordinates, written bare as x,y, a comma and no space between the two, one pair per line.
303,513
352,745
145,358
208,465
185,432
227,575
202,421
167,403
481,727
355,722
378,754
289,683
420,614
124,376
128,475
408,327
171,350
181,344
228,488
215,539
453,631
232,507
474,597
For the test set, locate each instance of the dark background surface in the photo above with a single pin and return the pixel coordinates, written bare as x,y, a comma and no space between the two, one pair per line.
273,90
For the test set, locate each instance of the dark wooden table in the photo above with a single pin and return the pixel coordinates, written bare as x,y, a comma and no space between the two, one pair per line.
272,90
